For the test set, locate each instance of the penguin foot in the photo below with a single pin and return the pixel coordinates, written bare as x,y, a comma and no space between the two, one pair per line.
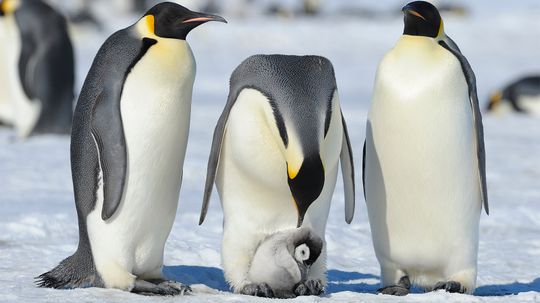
401,289
309,288
450,286
258,290
162,288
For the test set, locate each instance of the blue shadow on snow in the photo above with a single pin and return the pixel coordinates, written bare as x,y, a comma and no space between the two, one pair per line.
213,277
209,276
338,281
507,289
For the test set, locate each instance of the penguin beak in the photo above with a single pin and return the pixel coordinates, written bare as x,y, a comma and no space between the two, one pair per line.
203,18
306,184
414,13
409,9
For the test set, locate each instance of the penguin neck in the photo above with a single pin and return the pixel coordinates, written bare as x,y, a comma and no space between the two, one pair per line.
416,44
144,28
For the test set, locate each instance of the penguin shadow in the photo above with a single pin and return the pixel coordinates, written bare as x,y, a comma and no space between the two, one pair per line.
210,276
507,289
339,281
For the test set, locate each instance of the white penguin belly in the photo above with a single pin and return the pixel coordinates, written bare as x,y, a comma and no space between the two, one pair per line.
531,104
422,181
15,106
155,109
9,73
252,171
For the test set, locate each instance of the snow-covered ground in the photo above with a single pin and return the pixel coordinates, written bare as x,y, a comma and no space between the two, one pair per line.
38,225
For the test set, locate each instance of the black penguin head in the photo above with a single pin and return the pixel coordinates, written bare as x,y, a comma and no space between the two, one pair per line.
422,19
306,184
306,246
171,20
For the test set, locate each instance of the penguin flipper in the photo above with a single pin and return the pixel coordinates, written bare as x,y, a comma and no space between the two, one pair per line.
347,170
213,160
451,46
364,169
108,133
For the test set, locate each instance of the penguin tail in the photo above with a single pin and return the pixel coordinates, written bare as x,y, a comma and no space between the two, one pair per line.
70,274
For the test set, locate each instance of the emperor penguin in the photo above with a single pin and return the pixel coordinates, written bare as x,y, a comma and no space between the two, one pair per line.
39,74
521,96
283,261
127,150
424,161
274,159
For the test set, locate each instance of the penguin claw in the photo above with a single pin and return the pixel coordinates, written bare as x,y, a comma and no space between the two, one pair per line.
393,290
165,288
258,290
401,289
450,286
309,288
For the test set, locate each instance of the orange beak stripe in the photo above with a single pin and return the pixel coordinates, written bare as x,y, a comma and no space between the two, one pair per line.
415,13
198,19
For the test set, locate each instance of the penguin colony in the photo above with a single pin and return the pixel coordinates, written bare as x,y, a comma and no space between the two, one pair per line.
274,157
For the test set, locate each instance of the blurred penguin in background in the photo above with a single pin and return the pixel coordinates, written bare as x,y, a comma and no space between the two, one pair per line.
37,75
521,96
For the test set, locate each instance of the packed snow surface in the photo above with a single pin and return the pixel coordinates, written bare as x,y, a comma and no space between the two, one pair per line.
38,225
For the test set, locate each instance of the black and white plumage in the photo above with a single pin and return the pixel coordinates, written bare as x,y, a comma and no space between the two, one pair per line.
424,168
275,156
37,94
127,150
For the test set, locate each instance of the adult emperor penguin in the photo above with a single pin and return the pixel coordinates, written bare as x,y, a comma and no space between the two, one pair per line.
127,150
424,161
274,159
37,91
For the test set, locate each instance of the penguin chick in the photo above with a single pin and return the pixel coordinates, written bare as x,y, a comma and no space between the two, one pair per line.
283,259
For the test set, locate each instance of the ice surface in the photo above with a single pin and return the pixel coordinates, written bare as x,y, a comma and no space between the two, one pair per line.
38,226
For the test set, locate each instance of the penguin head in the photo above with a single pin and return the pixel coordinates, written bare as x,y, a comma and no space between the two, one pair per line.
301,253
171,20
7,7
494,100
422,19
305,246
306,182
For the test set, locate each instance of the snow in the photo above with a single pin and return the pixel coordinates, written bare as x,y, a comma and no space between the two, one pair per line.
38,225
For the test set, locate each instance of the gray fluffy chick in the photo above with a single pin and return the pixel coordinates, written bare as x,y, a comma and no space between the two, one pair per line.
283,259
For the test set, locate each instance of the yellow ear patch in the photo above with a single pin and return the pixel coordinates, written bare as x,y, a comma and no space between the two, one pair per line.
441,29
9,6
150,23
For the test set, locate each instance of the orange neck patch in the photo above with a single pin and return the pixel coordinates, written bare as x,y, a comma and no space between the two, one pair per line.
441,29
150,23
